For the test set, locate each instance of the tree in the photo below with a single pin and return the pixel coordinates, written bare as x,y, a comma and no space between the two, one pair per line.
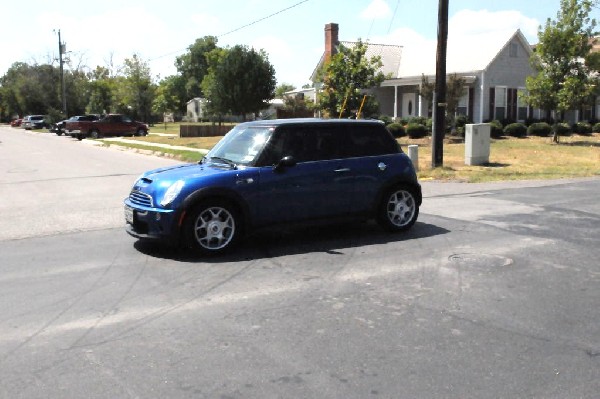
455,89
193,66
165,101
426,91
100,91
564,80
346,78
240,81
138,89
282,89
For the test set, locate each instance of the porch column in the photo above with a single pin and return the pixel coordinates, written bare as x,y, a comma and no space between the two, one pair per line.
420,113
395,101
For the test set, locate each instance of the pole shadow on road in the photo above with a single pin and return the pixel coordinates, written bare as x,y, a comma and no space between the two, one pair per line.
293,241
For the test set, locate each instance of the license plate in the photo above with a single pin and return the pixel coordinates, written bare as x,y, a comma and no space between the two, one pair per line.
128,214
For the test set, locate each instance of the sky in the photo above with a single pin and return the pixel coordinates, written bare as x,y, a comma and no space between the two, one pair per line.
290,31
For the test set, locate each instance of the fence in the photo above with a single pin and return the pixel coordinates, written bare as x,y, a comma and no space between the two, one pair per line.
203,130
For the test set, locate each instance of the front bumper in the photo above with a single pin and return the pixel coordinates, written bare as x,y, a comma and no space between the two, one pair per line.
151,223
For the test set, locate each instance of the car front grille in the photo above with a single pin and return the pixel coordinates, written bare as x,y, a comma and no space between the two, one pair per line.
139,198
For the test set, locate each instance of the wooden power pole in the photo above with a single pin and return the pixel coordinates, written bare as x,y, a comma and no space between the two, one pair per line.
439,103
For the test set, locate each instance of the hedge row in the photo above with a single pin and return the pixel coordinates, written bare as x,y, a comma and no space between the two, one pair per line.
419,129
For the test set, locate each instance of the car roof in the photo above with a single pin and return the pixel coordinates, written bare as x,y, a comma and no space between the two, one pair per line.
305,121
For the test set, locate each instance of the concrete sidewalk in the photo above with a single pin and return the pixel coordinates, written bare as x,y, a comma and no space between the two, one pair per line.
157,145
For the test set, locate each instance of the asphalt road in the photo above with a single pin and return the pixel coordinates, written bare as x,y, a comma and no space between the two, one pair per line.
493,294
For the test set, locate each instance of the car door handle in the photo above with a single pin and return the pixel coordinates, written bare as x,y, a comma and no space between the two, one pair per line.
342,170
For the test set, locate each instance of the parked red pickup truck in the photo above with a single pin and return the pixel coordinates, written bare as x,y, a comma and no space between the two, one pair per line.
110,125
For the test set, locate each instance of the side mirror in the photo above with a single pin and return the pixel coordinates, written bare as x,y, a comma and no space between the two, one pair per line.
285,162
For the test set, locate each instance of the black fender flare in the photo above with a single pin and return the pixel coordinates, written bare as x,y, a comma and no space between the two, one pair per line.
215,192
398,181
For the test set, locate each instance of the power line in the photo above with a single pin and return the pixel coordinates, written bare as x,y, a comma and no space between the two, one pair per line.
237,29
262,19
393,16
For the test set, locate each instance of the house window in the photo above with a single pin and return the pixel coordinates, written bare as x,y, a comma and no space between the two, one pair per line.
513,50
521,105
463,104
500,103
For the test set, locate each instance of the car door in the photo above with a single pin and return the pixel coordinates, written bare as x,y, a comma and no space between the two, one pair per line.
372,157
313,188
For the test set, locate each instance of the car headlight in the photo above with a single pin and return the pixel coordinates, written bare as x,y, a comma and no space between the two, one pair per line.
172,192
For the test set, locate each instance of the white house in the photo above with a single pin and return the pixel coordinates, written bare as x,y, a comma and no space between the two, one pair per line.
494,73
195,109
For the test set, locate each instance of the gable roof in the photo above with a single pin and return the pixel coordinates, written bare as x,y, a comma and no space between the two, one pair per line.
477,55
391,56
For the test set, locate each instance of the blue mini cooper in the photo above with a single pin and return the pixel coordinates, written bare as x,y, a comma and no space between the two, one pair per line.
264,173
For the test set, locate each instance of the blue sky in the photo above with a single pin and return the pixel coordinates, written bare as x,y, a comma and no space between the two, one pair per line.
104,33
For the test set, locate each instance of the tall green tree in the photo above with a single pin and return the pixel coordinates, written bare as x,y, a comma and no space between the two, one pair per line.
100,90
345,79
138,90
563,80
240,81
165,99
193,67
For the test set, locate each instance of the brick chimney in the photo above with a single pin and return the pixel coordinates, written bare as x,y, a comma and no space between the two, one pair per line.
331,40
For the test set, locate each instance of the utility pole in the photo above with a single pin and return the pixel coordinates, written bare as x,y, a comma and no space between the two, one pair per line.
439,103
62,47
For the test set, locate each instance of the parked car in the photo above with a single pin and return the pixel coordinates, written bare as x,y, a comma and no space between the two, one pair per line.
110,125
264,173
16,122
59,127
31,122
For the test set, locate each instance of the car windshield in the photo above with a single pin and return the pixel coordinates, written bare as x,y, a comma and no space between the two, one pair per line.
37,118
241,145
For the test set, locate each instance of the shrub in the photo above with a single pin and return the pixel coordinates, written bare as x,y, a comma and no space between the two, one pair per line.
596,128
541,129
562,129
461,121
385,119
515,130
396,129
416,130
496,129
582,128
420,120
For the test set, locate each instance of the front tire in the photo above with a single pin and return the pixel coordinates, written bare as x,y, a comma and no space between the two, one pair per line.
213,227
94,134
141,132
398,210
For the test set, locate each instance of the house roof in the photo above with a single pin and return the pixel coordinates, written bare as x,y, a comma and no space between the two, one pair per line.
477,55
390,57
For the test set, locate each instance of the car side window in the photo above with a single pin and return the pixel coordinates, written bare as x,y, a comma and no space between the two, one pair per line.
329,143
368,141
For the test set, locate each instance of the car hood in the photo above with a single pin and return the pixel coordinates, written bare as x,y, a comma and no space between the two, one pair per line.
174,173
156,182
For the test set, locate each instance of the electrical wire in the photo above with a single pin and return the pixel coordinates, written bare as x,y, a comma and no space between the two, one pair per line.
236,29
393,16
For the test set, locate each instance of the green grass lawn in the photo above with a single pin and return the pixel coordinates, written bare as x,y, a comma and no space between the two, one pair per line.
515,159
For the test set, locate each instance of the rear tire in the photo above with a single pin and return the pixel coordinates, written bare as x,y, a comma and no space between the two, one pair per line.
213,227
94,134
398,210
